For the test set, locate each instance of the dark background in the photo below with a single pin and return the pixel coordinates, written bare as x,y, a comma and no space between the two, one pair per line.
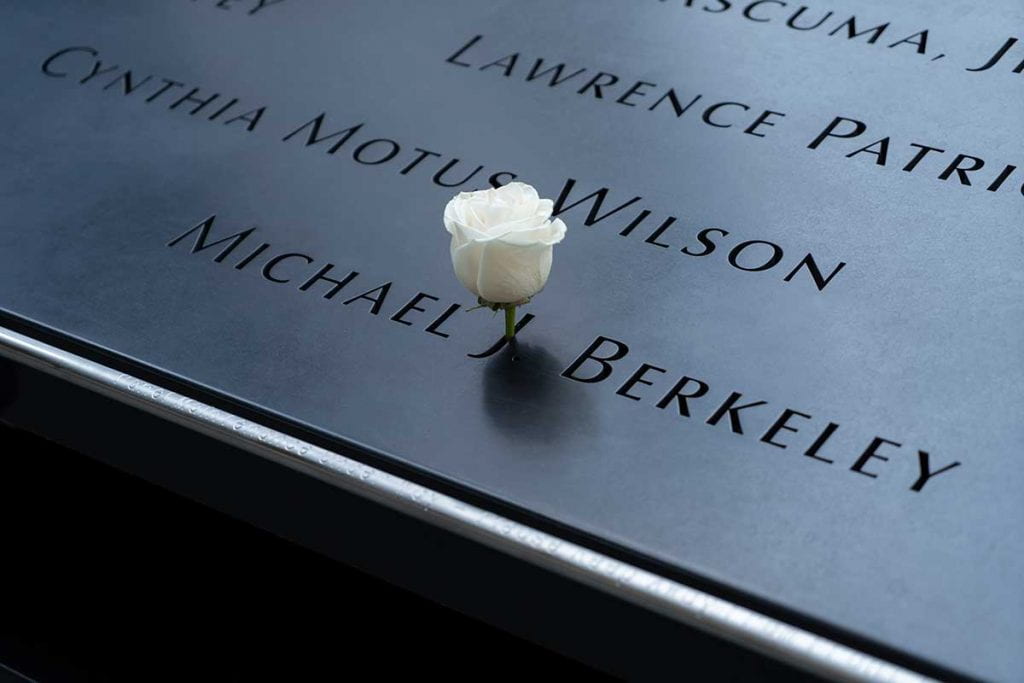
109,577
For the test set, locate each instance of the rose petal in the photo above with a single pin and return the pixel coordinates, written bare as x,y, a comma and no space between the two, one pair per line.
557,232
466,262
544,209
510,273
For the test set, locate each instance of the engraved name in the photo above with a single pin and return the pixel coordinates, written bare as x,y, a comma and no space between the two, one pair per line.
685,395
599,209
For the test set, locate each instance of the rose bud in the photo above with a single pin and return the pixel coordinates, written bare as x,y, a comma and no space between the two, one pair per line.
502,241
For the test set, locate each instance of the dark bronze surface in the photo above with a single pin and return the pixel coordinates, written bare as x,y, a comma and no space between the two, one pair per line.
916,339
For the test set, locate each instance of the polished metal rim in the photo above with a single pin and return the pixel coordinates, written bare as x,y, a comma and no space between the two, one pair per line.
678,601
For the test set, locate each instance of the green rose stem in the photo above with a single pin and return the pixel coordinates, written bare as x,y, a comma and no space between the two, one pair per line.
510,321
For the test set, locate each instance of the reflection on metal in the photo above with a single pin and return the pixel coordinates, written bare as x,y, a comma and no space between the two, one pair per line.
670,598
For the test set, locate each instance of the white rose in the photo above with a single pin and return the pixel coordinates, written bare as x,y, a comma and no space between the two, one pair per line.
502,241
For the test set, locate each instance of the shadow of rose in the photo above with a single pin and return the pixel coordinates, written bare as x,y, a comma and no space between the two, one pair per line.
526,398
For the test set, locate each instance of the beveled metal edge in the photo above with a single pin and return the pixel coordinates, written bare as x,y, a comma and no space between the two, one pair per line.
690,606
